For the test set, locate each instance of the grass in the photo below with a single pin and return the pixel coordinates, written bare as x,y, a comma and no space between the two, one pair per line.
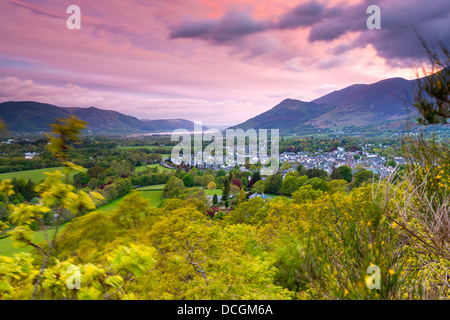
111,205
154,187
166,149
8,249
273,196
153,196
154,165
35,175
213,192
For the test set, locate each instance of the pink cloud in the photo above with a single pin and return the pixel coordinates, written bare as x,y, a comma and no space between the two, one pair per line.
123,59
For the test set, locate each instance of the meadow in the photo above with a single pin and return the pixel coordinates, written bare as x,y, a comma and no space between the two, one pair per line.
154,187
154,165
35,175
7,247
213,192
150,193
165,149
153,196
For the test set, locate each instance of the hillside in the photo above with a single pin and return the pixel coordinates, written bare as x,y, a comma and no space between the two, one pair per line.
29,116
382,104
289,114
35,117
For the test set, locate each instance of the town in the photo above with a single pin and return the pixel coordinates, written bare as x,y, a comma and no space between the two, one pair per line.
326,161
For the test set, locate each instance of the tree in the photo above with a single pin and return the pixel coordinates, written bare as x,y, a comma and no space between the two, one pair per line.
345,173
206,179
306,193
335,174
188,180
301,170
291,183
211,185
64,131
316,173
259,187
195,193
273,183
132,210
251,212
234,189
81,179
56,196
317,184
95,172
432,96
244,182
226,191
221,173
361,176
197,180
422,213
173,187
29,193
390,163
286,165
241,196
236,182
215,199
256,176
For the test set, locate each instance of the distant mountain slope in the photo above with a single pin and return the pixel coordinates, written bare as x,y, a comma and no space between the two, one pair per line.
109,121
26,116
169,125
35,117
289,113
354,106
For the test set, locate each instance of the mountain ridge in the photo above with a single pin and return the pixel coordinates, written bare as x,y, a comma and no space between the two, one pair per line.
377,106
36,117
360,105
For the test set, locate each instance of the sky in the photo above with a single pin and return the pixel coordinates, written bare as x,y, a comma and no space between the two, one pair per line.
216,61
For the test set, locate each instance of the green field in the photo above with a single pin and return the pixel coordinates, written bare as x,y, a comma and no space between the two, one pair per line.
153,196
213,192
167,149
7,247
154,165
35,175
154,187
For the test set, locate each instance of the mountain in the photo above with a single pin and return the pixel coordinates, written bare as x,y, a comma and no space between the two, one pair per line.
358,105
289,113
361,105
169,125
35,117
30,116
109,121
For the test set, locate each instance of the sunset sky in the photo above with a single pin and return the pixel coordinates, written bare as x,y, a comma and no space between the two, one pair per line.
220,62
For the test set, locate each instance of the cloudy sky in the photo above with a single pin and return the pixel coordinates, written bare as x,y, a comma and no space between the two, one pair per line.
216,61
